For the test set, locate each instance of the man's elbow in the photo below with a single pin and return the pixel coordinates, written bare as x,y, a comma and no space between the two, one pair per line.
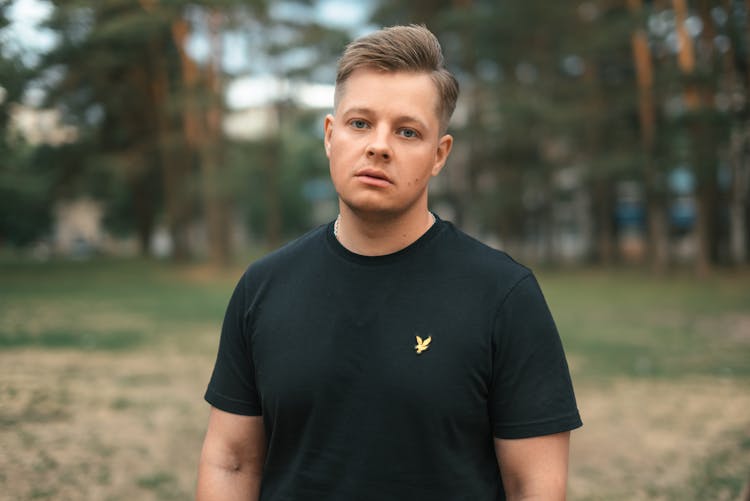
225,475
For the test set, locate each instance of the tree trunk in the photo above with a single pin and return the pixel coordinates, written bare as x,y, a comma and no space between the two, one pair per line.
703,146
738,201
202,128
141,186
704,141
702,224
658,235
739,140
273,189
215,203
657,227
193,129
601,187
173,168
174,178
605,237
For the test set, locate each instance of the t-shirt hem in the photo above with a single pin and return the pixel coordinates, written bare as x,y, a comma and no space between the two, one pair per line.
231,405
537,429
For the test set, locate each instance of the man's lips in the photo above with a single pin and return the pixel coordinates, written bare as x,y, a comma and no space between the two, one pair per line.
374,177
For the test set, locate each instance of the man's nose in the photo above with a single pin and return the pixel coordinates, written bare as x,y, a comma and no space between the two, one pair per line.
379,148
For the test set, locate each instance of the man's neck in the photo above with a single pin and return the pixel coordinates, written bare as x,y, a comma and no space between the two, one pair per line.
377,236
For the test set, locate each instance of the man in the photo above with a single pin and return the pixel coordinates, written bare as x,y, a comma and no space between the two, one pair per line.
387,355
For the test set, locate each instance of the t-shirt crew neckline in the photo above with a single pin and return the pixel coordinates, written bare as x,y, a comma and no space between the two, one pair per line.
340,250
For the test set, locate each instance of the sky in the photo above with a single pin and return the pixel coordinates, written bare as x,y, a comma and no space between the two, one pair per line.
26,37
24,34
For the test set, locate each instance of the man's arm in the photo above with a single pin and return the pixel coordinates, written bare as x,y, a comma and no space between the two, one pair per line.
232,458
534,468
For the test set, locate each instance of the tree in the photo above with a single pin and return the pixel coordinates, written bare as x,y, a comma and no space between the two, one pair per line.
737,68
544,94
124,63
158,111
101,77
279,39
25,184
647,115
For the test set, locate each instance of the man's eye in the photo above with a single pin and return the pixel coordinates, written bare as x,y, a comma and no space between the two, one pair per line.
408,133
358,124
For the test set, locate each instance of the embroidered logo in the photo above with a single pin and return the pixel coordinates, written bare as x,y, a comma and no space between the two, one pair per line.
422,345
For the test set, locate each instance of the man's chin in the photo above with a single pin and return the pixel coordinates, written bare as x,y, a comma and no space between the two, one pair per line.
377,210
372,209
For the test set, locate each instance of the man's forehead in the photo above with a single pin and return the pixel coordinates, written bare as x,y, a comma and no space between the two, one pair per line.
407,90
368,73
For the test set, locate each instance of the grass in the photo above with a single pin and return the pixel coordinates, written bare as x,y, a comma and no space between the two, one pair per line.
618,323
721,475
634,325
103,365
78,339
107,305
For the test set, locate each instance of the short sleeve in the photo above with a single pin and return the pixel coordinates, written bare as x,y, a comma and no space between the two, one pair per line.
531,392
232,386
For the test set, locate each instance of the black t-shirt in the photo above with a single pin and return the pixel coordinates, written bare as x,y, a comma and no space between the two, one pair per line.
387,377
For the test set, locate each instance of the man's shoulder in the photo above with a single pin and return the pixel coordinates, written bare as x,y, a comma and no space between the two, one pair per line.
472,255
293,253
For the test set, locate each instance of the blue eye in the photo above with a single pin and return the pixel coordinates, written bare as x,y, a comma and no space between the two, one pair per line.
408,133
358,124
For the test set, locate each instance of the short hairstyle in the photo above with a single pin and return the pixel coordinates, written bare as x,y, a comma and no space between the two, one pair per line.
411,48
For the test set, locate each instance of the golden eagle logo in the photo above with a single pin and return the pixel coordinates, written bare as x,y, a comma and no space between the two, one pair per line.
422,345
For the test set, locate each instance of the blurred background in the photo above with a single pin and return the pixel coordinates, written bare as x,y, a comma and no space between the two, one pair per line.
587,132
150,149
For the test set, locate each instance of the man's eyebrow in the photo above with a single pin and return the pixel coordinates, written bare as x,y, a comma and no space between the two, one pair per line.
358,111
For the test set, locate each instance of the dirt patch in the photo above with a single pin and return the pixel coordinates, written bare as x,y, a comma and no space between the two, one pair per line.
734,328
98,426
121,426
645,439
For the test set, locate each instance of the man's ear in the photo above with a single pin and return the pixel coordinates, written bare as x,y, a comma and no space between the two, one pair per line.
328,130
441,155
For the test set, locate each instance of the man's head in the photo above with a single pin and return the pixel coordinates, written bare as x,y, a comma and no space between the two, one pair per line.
409,49
387,138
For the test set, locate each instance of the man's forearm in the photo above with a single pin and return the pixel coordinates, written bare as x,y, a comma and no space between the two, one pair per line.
232,458
217,482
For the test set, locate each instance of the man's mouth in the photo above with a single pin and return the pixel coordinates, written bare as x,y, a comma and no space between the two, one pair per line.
374,177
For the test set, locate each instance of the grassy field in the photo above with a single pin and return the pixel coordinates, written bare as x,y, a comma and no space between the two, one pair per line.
103,366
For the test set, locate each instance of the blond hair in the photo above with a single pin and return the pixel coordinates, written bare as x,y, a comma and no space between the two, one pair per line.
411,48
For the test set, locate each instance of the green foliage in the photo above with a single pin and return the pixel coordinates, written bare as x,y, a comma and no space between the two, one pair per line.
543,87
279,168
548,88
25,186
121,77
25,189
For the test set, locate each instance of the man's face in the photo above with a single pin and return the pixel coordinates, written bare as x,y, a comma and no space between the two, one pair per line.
384,143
